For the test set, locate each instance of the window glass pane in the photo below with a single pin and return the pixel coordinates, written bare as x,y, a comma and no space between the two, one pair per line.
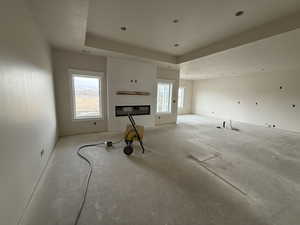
180,97
86,97
164,95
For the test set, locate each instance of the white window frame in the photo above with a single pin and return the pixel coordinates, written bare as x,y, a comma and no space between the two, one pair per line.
89,74
183,88
172,82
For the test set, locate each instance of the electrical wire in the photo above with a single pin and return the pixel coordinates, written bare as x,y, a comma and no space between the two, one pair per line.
88,177
89,174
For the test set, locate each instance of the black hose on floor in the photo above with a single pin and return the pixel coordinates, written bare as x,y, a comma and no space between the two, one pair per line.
88,175
88,178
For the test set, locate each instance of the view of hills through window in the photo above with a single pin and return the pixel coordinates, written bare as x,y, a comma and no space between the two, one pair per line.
86,97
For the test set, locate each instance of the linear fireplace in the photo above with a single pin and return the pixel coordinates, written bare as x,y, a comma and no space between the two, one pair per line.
135,110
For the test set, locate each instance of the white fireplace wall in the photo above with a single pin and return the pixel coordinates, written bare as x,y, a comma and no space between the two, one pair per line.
130,75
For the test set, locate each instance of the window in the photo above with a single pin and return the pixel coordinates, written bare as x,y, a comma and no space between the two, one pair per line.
86,90
180,97
164,96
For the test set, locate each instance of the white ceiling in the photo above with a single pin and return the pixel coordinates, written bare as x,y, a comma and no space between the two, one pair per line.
201,22
63,22
278,53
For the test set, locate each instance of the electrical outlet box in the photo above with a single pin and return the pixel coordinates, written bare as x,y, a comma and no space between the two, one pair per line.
108,144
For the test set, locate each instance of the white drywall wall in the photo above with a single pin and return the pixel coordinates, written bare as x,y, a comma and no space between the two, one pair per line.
219,98
63,61
120,72
27,108
173,75
188,95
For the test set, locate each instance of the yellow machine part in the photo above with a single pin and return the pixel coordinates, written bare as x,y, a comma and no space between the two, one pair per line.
130,134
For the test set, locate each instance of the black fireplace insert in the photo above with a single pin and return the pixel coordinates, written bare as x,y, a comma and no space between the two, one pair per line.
134,110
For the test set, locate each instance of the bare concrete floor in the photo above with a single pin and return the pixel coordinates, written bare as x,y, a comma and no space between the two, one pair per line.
191,174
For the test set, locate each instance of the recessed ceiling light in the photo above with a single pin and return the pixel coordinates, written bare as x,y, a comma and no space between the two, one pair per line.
123,28
239,13
175,21
176,45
